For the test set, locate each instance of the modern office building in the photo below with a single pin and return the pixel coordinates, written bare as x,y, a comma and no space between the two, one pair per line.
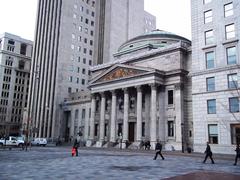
66,33
15,61
215,74
117,22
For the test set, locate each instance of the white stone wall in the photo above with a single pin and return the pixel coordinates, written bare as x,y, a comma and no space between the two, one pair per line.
222,117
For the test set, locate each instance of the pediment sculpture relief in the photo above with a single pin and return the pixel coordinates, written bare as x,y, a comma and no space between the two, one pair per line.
120,73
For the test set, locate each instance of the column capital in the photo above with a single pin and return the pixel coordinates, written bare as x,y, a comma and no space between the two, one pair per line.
113,92
93,96
125,90
179,86
139,88
102,94
153,85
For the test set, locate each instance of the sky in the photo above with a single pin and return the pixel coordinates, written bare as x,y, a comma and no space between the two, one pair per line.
18,16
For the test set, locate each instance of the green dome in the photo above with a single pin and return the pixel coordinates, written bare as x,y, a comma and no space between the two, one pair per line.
155,39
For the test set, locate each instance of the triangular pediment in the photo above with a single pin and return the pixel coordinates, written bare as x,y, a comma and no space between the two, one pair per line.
119,72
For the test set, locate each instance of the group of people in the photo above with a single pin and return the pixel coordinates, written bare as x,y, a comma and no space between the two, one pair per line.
158,150
208,153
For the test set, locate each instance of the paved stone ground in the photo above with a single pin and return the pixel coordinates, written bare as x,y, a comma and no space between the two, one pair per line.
57,163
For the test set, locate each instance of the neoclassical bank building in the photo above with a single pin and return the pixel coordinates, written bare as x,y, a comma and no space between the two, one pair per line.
143,95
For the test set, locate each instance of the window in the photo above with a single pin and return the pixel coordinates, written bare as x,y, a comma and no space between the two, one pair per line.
74,16
91,33
170,97
83,81
232,81
86,30
211,106
86,21
76,114
234,104
235,133
208,16
11,42
209,60
209,37
213,133
84,50
83,71
83,113
93,14
69,90
228,9
91,42
92,23
231,55
77,80
70,79
23,49
170,129
84,60
85,40
21,64
207,1
230,31
90,52
210,84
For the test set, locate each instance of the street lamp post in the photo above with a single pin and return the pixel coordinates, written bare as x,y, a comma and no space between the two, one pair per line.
182,129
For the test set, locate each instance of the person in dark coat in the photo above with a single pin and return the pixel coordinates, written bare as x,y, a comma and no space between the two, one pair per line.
158,150
237,154
75,145
208,153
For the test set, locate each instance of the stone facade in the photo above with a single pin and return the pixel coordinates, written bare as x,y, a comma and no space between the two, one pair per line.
144,95
221,126
15,62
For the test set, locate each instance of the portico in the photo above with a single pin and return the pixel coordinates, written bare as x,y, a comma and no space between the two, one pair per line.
143,95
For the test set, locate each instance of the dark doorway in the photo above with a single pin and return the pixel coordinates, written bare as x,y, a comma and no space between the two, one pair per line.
131,132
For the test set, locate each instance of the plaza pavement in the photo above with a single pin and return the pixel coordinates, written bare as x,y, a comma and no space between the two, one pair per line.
114,164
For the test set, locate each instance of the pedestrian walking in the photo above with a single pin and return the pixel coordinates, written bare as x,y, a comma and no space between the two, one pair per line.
237,154
158,150
73,151
208,153
75,145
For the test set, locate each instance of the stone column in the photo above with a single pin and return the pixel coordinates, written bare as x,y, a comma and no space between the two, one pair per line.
178,101
102,117
113,117
92,118
139,114
72,125
153,128
125,115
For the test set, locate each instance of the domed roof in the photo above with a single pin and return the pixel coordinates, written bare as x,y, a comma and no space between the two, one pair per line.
156,38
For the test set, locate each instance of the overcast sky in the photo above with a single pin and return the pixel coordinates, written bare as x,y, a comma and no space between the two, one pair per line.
18,16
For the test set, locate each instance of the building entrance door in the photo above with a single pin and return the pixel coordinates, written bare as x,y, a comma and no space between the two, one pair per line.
131,132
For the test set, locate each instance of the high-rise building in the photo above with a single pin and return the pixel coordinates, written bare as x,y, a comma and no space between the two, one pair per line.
15,61
117,22
215,74
64,50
